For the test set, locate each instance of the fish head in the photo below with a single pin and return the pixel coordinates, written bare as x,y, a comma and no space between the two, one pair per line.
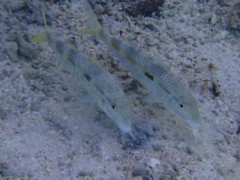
186,108
118,109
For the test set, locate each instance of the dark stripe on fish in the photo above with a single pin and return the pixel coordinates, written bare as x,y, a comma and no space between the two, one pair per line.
148,75
132,60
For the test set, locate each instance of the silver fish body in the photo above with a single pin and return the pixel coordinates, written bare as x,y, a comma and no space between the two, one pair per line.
164,86
99,83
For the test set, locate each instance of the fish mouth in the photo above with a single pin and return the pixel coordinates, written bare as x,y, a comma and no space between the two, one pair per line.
125,129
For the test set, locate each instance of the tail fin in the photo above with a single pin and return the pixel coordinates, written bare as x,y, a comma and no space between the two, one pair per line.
94,27
42,37
44,16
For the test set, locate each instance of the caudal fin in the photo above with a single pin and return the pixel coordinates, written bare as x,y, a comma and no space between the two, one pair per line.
41,37
94,27
38,38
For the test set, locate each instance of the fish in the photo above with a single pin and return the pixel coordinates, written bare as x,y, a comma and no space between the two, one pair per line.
163,85
105,90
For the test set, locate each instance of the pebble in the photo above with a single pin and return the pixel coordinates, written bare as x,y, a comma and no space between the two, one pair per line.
214,19
189,150
176,167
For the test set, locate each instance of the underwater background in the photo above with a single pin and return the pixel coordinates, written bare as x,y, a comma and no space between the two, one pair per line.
47,132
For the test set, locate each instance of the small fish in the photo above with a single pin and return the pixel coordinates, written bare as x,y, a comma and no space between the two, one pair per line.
99,83
164,86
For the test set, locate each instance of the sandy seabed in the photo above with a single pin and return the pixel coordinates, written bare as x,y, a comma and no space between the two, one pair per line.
46,132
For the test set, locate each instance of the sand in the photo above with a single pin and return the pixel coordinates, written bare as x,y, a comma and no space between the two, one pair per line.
46,132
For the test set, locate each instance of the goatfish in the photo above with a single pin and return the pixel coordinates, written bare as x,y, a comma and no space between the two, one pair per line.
164,86
103,88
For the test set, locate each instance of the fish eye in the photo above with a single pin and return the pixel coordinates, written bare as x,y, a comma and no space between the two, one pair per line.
114,106
181,105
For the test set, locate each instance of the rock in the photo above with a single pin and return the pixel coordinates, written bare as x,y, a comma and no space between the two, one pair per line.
115,27
4,169
222,171
11,51
14,6
235,18
31,75
35,106
154,162
140,171
25,49
99,9
157,147
214,19
23,106
83,173
151,26
142,7
237,155
7,73
143,127
48,92
176,167
36,16
2,113
150,41
131,141
167,177
189,150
